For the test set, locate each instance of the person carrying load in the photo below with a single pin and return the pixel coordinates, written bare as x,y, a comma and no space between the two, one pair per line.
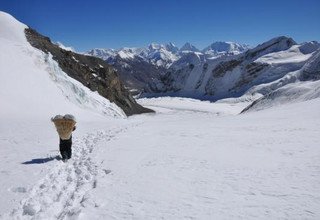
65,125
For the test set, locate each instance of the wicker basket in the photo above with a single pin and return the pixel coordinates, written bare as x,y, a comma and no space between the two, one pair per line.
64,127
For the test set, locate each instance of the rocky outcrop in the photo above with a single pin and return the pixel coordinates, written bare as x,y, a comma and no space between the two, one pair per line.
224,67
311,70
92,72
136,73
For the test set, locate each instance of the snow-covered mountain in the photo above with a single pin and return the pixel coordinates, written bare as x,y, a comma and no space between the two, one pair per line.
137,67
224,48
156,54
160,55
105,54
300,85
221,70
163,55
257,73
140,66
59,79
189,47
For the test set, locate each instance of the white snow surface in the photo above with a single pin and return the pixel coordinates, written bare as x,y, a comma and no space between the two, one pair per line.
190,160
291,55
10,29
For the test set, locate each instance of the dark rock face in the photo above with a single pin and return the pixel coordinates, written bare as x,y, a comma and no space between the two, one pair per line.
249,73
224,67
137,74
92,72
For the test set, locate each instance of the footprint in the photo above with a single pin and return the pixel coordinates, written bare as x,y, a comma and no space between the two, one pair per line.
29,209
19,189
95,183
106,171
5,172
78,171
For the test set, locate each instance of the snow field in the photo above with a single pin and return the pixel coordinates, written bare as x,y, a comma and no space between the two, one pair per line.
63,190
200,166
184,163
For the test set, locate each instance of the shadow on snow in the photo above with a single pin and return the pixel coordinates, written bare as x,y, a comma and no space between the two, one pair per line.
41,160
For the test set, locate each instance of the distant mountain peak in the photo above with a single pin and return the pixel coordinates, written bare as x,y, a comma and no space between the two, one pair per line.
155,46
171,47
189,47
170,44
225,47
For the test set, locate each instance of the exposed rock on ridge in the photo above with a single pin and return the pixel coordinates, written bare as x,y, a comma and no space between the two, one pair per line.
92,72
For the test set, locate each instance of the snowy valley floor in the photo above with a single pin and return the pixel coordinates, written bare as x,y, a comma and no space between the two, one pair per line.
190,160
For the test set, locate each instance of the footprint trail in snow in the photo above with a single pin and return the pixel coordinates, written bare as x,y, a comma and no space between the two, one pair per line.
64,190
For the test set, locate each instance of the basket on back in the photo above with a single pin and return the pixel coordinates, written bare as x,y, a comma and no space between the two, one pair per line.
64,125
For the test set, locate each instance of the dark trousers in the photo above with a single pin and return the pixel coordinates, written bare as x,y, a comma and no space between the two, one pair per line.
65,148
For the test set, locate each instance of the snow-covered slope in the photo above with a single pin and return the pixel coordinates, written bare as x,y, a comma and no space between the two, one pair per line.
296,86
11,30
33,89
201,162
33,85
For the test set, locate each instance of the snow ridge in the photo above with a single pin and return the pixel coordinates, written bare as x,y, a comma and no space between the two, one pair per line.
10,28
33,73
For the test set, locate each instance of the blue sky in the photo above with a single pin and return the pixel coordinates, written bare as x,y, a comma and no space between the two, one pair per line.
113,24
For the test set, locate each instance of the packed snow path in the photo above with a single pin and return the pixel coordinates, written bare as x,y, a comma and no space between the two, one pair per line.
191,160
62,192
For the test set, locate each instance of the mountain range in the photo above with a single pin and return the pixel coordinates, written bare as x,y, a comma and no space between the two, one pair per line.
138,67
163,55
221,70
271,71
